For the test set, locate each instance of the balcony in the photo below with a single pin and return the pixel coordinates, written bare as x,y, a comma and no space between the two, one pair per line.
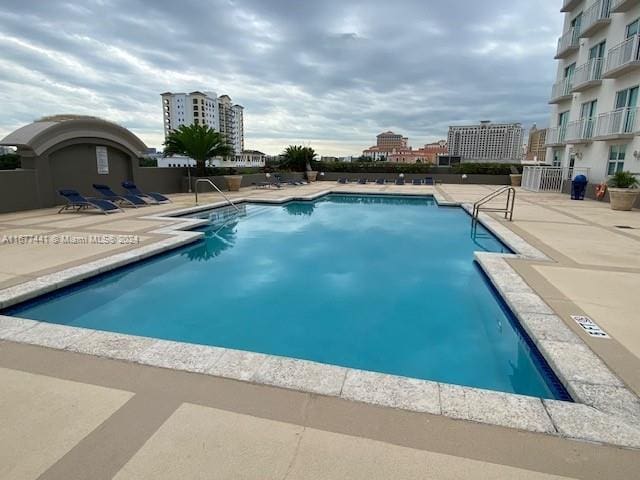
622,58
561,91
617,124
580,131
555,136
618,6
587,75
595,18
568,5
568,43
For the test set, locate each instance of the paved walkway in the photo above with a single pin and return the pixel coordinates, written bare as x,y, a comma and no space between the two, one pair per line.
66,415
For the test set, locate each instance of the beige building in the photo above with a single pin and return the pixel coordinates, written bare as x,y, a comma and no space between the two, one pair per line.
487,142
536,149
386,143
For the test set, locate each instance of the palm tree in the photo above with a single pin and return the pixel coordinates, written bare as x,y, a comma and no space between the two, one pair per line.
299,158
199,142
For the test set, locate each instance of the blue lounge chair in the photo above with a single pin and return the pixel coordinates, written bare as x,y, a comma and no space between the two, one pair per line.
399,181
126,199
380,181
77,202
416,181
362,181
134,190
428,181
342,180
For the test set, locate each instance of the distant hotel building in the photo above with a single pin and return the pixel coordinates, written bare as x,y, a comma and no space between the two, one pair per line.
205,108
427,154
594,119
386,142
487,142
536,150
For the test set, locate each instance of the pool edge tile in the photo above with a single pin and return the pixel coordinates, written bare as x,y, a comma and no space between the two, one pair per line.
301,375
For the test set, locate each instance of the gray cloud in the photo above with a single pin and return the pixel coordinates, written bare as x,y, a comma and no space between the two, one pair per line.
333,73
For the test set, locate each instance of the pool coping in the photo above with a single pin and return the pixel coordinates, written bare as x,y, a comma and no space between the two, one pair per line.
605,410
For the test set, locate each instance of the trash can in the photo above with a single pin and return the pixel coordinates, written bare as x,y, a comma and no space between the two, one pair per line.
578,187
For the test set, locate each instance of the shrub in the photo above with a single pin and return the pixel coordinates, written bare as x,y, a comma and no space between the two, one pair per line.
10,161
148,162
418,168
623,180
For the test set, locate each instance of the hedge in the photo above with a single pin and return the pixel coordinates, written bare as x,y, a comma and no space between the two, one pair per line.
386,167
10,161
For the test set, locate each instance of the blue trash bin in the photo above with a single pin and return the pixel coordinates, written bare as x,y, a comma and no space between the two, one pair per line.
578,187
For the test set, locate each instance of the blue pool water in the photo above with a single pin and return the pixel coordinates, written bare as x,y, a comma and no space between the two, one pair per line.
378,283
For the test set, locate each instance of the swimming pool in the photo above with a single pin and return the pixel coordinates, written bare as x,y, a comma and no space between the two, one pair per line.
379,283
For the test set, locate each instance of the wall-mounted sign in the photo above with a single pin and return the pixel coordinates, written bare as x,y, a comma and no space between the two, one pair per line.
103,160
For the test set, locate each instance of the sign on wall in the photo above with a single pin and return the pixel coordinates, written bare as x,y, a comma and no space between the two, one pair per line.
103,160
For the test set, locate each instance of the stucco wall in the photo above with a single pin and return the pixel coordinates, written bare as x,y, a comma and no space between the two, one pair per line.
18,190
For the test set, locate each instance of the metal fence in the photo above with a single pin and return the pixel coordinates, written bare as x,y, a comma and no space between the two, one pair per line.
549,179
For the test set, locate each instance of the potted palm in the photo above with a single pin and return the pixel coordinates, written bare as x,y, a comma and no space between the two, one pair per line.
300,158
623,190
200,142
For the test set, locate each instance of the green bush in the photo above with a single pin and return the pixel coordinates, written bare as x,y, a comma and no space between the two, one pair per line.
418,168
217,171
10,161
623,180
148,162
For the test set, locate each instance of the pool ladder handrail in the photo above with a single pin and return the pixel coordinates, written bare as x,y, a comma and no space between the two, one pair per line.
508,208
206,180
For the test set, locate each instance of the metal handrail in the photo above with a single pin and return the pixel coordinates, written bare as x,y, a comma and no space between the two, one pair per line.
507,210
206,180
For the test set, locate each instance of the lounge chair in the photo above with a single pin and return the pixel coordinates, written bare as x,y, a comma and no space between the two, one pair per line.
77,202
362,181
125,199
399,181
380,181
429,181
416,181
154,196
342,180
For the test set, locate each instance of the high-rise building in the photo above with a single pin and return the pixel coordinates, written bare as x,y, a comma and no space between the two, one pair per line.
486,142
594,119
536,149
386,143
205,108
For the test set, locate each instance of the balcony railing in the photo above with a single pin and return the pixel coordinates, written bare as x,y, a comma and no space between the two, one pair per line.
595,17
561,91
580,131
622,58
619,123
568,43
587,75
623,5
555,135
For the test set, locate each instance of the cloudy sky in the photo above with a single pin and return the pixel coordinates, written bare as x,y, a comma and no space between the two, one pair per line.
332,73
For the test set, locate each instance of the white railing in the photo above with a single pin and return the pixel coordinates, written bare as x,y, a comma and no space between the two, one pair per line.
549,179
567,41
622,121
580,129
561,89
597,11
555,135
623,53
588,72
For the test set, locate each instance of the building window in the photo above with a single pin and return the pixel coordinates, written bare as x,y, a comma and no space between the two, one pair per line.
195,100
616,158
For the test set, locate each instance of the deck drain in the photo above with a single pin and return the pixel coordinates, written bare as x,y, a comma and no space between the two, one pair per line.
626,227
590,326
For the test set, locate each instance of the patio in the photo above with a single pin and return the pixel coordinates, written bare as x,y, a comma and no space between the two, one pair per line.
102,418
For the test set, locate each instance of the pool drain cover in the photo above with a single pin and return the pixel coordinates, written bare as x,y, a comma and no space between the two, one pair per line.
589,326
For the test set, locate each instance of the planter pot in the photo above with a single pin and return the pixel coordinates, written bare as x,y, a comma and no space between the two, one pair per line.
233,182
311,176
516,179
622,198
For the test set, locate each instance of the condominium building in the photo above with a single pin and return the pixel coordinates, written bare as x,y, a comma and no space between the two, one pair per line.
205,108
486,142
594,120
536,149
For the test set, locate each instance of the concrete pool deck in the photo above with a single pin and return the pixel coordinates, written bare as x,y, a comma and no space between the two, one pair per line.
571,284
